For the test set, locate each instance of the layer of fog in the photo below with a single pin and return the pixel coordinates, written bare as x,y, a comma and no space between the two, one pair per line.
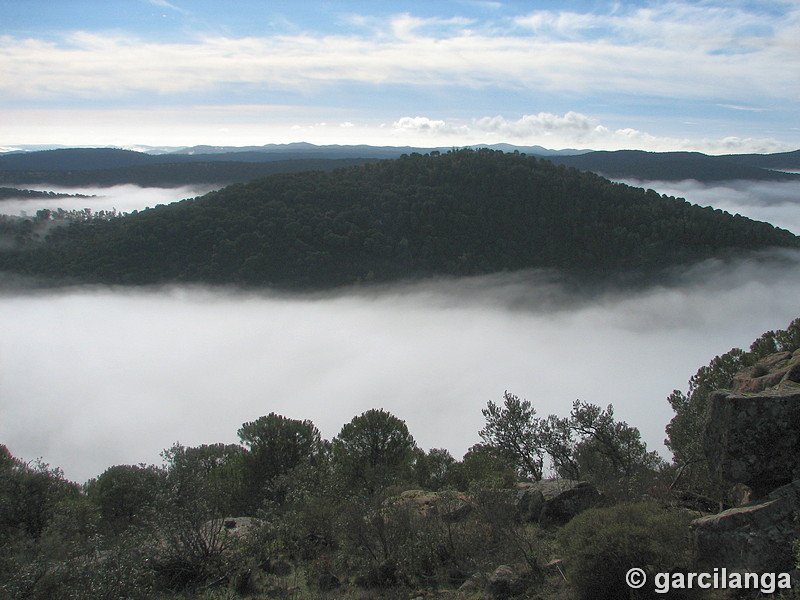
93,377
123,198
774,202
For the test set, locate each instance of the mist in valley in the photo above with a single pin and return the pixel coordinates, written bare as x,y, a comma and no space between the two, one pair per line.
124,198
775,202
96,376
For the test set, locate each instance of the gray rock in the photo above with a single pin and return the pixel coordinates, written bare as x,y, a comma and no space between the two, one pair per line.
756,538
529,501
475,583
508,581
561,507
553,502
754,439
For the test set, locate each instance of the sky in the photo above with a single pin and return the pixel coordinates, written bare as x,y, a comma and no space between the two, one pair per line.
712,76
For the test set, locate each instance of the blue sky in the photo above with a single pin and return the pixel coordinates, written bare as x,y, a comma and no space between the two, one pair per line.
703,75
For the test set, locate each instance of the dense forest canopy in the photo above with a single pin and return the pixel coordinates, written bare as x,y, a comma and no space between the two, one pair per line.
169,174
460,213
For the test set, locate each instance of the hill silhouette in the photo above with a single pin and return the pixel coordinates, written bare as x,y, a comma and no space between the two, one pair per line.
461,213
675,166
226,165
777,161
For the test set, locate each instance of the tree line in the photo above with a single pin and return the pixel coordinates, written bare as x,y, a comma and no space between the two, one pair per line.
160,529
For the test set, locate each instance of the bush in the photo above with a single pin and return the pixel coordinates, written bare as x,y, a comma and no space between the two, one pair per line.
600,545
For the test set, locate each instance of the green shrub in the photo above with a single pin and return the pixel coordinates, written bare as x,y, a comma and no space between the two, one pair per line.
600,545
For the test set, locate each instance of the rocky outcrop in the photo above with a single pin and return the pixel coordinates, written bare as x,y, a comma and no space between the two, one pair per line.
755,538
752,443
776,371
554,502
754,439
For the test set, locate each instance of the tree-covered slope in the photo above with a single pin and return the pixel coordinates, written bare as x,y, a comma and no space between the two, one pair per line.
789,161
206,164
675,166
160,173
461,213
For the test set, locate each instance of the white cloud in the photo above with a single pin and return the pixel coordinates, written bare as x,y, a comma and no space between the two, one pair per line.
676,50
243,125
527,126
428,126
570,129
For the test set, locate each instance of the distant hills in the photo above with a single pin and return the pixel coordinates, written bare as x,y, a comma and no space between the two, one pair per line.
225,165
674,166
459,213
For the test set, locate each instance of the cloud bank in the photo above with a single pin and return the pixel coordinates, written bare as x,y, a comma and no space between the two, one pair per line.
774,202
573,128
676,50
95,377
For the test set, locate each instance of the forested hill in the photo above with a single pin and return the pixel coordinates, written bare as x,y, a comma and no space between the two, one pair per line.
461,213
163,173
675,166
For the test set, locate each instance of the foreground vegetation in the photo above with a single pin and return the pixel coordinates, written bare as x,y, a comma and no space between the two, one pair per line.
367,514
460,213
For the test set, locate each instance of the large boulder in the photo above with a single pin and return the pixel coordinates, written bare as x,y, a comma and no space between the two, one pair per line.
754,439
755,538
553,502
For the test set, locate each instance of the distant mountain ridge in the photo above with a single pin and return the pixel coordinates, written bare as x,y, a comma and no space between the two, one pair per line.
109,166
304,149
674,166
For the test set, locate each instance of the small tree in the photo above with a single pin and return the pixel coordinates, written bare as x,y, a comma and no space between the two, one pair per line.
29,494
434,470
588,443
560,443
276,445
374,450
514,431
608,449
125,493
484,466
211,472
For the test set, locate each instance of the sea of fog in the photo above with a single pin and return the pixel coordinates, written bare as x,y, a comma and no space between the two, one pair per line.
96,376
